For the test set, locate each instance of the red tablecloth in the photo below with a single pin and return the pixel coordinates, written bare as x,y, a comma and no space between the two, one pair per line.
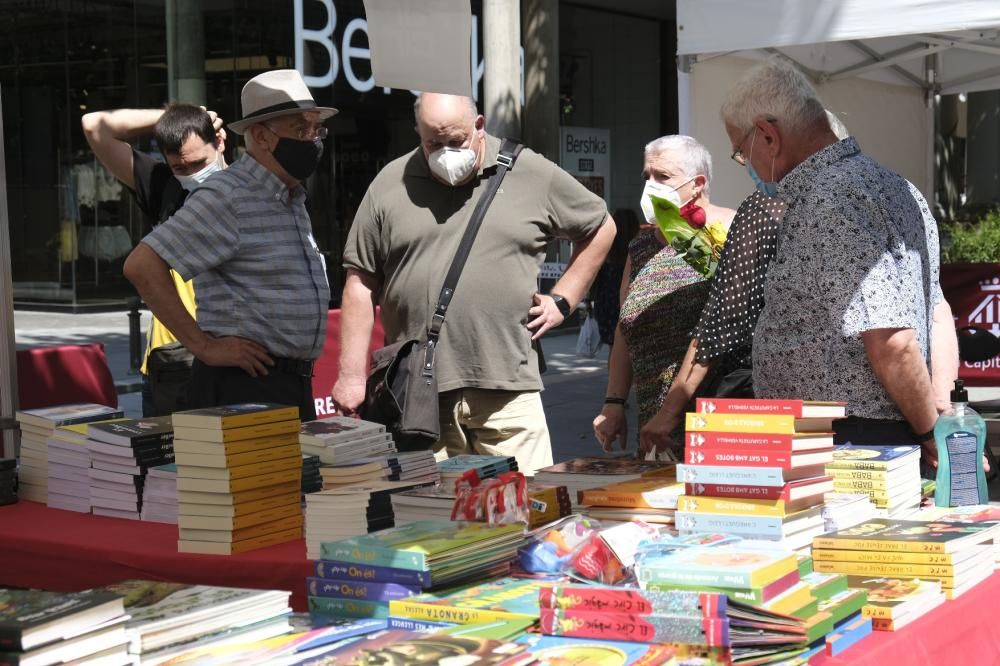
65,551
963,631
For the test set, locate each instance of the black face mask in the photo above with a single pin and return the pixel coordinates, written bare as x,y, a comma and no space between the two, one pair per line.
299,158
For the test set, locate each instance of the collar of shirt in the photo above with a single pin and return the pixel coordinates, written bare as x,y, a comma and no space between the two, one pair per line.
802,178
417,164
270,182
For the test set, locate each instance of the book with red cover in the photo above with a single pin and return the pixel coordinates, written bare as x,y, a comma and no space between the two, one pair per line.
791,491
800,409
638,628
599,599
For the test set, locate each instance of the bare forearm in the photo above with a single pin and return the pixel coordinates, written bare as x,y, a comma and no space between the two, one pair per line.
619,367
944,355
898,364
689,377
151,276
586,260
357,319
121,124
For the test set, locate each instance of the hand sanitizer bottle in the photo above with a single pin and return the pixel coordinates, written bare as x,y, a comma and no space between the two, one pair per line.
960,435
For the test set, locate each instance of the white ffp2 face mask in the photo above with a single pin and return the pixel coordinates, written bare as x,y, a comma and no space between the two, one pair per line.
660,190
452,165
195,179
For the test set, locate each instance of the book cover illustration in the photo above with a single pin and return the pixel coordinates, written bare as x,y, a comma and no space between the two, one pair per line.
720,565
567,651
889,534
133,430
609,466
872,457
404,647
641,629
630,601
888,597
481,602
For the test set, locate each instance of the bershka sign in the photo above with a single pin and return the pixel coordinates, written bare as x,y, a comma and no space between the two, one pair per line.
349,54
585,152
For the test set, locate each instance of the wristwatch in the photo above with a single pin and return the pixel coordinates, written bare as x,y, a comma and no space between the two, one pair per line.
562,304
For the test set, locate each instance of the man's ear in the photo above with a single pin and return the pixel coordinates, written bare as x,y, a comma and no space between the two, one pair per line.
769,135
480,123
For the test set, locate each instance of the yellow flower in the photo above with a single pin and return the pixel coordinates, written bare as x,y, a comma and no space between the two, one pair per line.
717,232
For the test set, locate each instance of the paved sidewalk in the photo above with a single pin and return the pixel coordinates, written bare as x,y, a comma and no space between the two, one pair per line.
573,396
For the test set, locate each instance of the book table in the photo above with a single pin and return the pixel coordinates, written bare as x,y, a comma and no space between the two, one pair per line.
64,551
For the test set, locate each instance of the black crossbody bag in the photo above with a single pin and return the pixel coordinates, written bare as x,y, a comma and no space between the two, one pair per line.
402,388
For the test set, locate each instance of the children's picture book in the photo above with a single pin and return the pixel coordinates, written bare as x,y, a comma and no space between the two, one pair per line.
726,566
885,534
892,598
588,651
502,599
849,456
405,647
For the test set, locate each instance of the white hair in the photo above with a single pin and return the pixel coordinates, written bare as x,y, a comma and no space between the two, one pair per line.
837,126
776,90
691,156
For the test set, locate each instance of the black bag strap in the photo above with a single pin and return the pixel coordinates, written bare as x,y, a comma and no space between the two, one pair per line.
509,150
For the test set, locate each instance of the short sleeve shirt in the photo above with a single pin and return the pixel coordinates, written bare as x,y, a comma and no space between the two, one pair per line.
157,192
247,242
857,251
408,228
725,328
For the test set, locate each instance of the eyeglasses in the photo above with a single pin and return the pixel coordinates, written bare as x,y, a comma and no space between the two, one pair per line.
737,155
304,133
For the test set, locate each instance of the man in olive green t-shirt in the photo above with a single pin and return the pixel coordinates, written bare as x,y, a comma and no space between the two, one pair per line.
406,232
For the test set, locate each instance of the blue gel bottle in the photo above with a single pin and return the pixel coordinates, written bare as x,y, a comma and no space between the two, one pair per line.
960,436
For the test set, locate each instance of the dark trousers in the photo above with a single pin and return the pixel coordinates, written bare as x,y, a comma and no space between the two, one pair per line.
212,387
877,432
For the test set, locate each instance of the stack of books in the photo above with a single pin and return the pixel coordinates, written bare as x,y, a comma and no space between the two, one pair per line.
547,503
159,495
348,511
844,510
360,591
649,500
889,475
69,469
755,468
239,477
339,439
37,426
416,467
120,454
312,480
836,612
590,472
53,628
892,603
167,620
957,556
486,467
437,552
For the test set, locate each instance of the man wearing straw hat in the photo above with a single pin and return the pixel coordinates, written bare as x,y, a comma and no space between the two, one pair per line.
245,237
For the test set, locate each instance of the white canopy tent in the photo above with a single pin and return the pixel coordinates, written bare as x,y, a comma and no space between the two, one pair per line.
876,65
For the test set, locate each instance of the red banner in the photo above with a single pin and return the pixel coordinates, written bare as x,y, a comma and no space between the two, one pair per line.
327,365
973,291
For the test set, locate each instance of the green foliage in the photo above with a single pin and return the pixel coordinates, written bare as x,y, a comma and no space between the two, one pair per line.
976,242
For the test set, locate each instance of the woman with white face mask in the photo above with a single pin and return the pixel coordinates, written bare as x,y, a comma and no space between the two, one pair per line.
662,296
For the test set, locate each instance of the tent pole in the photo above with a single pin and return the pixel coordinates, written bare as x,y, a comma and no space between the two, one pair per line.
931,71
684,124
8,358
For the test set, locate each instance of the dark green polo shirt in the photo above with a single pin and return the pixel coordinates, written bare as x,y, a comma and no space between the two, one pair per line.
407,230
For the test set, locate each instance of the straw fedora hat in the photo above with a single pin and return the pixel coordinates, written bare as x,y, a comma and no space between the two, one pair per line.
276,93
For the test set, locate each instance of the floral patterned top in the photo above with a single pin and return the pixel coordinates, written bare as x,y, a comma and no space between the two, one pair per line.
857,251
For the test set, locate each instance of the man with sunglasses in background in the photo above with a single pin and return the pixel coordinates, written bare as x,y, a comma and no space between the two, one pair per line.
246,238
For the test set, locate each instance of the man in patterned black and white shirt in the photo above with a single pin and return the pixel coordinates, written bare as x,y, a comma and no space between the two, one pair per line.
850,296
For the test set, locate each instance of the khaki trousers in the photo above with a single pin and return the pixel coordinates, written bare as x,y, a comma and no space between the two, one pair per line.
495,423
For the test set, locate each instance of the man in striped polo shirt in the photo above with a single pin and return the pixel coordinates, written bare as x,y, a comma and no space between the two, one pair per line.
245,237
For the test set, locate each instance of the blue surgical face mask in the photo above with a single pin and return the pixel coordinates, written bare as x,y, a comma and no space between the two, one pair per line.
767,188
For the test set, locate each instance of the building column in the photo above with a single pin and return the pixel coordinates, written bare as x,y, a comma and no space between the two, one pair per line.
540,33
186,51
502,67
983,149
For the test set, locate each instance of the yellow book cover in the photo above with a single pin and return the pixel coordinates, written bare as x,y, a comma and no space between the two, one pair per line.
880,497
748,423
646,493
234,416
238,499
940,572
856,474
239,522
850,485
222,473
217,548
251,532
501,599
240,508
909,536
240,484
883,557
237,447
739,507
792,600
238,459
236,434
